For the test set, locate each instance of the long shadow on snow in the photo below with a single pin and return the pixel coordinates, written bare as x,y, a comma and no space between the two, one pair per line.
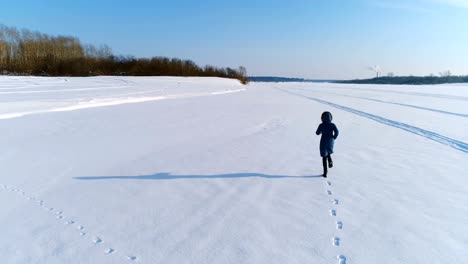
169,176
456,144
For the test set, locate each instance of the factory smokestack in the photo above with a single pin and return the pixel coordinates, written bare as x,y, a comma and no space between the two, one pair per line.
375,69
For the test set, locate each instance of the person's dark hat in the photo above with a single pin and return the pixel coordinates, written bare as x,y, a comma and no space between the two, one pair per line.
325,114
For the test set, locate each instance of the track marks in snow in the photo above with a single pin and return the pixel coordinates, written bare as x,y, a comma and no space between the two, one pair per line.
389,102
336,240
341,259
446,96
435,95
411,106
63,90
87,104
132,258
97,240
228,91
456,144
103,102
339,225
59,214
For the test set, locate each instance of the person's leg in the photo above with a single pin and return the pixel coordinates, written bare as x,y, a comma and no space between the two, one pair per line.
324,162
330,161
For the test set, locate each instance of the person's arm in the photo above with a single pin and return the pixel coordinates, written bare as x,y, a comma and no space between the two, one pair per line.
319,130
335,131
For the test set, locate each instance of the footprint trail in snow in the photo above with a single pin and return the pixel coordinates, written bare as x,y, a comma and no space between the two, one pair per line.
339,224
60,215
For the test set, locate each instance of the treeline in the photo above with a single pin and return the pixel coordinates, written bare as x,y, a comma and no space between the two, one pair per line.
413,80
33,53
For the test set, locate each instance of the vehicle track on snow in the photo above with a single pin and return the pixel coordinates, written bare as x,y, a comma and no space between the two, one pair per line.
388,102
445,96
456,144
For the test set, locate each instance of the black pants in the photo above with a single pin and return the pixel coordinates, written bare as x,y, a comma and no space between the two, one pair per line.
325,164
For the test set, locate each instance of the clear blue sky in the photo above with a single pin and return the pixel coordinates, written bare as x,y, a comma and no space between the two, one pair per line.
321,39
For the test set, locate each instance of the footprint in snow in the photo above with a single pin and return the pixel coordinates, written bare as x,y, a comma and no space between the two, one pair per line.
336,241
341,259
80,227
328,183
109,251
59,216
131,258
333,212
82,233
329,192
69,222
97,240
335,201
339,225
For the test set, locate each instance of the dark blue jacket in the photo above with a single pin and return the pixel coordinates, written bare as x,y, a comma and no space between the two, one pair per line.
329,134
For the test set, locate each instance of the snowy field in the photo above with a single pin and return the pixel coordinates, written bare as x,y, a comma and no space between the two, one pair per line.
206,170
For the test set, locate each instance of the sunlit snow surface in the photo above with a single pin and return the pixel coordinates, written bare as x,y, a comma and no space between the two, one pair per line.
206,170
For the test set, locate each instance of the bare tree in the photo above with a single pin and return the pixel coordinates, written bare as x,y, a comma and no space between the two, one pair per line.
28,52
445,74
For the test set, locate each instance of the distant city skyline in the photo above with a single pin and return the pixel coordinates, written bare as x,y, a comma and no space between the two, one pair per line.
304,39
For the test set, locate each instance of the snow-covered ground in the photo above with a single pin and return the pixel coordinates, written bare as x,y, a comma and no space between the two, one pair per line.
206,170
